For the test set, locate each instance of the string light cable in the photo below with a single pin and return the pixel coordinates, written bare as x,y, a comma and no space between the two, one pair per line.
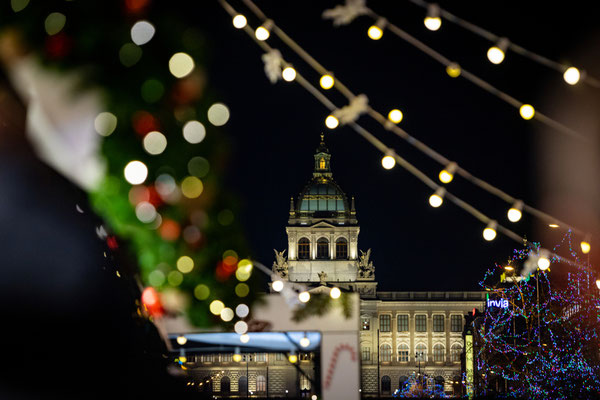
455,70
571,74
490,223
387,122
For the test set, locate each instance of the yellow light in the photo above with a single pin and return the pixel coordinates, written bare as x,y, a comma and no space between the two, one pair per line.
331,122
447,174
182,359
375,32
227,314
489,233
515,214
572,76
453,70
543,263
304,297
135,172
192,187
201,292
239,21
388,162
245,338
237,357
181,65
242,290
335,293
509,268
527,111
304,342
598,283
185,264
326,81
395,116
495,55
262,33
216,307
436,199
243,274
293,358
553,226
288,74
181,340
218,114
433,24
585,247
277,285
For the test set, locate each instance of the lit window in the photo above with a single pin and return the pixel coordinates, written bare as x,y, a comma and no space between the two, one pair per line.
385,353
279,357
226,357
438,353
322,249
438,323
366,354
261,383
384,323
304,382
421,323
261,357
421,352
322,163
402,323
403,353
303,249
455,352
456,323
341,249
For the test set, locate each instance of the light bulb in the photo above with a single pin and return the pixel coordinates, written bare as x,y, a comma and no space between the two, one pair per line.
135,172
598,283
245,338
436,199
326,81
489,233
395,115
331,122
515,214
293,358
262,33
543,263
585,247
432,21
527,111
375,31
277,285
237,357
304,296
239,21
496,53
304,342
509,268
388,162
572,75
453,70
335,293
288,74
181,340
447,174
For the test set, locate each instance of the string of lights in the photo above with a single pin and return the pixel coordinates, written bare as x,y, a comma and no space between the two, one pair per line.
327,81
390,156
432,21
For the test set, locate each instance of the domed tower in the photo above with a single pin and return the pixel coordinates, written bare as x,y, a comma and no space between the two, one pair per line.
323,236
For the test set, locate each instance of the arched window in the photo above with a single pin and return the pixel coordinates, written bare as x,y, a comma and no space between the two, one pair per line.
386,384
322,249
403,353
455,352
322,163
304,382
421,352
261,383
206,384
385,353
243,385
303,249
438,352
341,249
225,384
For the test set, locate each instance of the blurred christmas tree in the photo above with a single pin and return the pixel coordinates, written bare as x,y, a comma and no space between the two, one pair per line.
165,153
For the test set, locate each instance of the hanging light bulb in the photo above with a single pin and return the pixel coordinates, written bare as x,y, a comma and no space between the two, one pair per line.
304,342
572,75
395,116
304,297
245,338
288,74
489,233
263,32
237,356
277,285
335,293
388,161
585,245
293,358
375,32
436,199
181,340
496,53
453,70
544,259
327,81
515,212
527,111
447,174
239,21
432,21
331,122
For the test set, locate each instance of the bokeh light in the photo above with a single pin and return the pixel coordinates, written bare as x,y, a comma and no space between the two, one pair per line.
156,278
155,143
432,23
242,290
227,314
240,327
218,114
375,32
395,115
242,310
201,292
304,296
181,65
262,33
326,81
142,32
216,306
191,187
175,278
245,338
277,285
135,172
54,23
194,132
145,212
331,122
105,123
239,21
335,293
453,70
388,162
185,264
198,167
495,55
527,111
130,54
572,76
288,74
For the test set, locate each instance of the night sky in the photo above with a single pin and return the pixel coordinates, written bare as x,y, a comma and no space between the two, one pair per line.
275,128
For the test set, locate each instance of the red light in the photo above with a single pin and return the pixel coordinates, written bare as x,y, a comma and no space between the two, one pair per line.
151,300
474,311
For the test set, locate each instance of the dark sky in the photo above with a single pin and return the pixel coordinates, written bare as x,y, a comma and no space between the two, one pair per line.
275,128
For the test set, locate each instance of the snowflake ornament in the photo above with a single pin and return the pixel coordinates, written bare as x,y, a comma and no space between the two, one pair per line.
273,61
350,113
344,14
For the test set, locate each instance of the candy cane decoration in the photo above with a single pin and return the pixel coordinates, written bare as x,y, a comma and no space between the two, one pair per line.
333,361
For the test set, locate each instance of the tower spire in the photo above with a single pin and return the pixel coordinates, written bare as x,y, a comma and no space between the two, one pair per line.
322,159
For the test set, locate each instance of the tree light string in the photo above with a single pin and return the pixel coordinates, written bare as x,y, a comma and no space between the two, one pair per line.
391,152
514,47
386,123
